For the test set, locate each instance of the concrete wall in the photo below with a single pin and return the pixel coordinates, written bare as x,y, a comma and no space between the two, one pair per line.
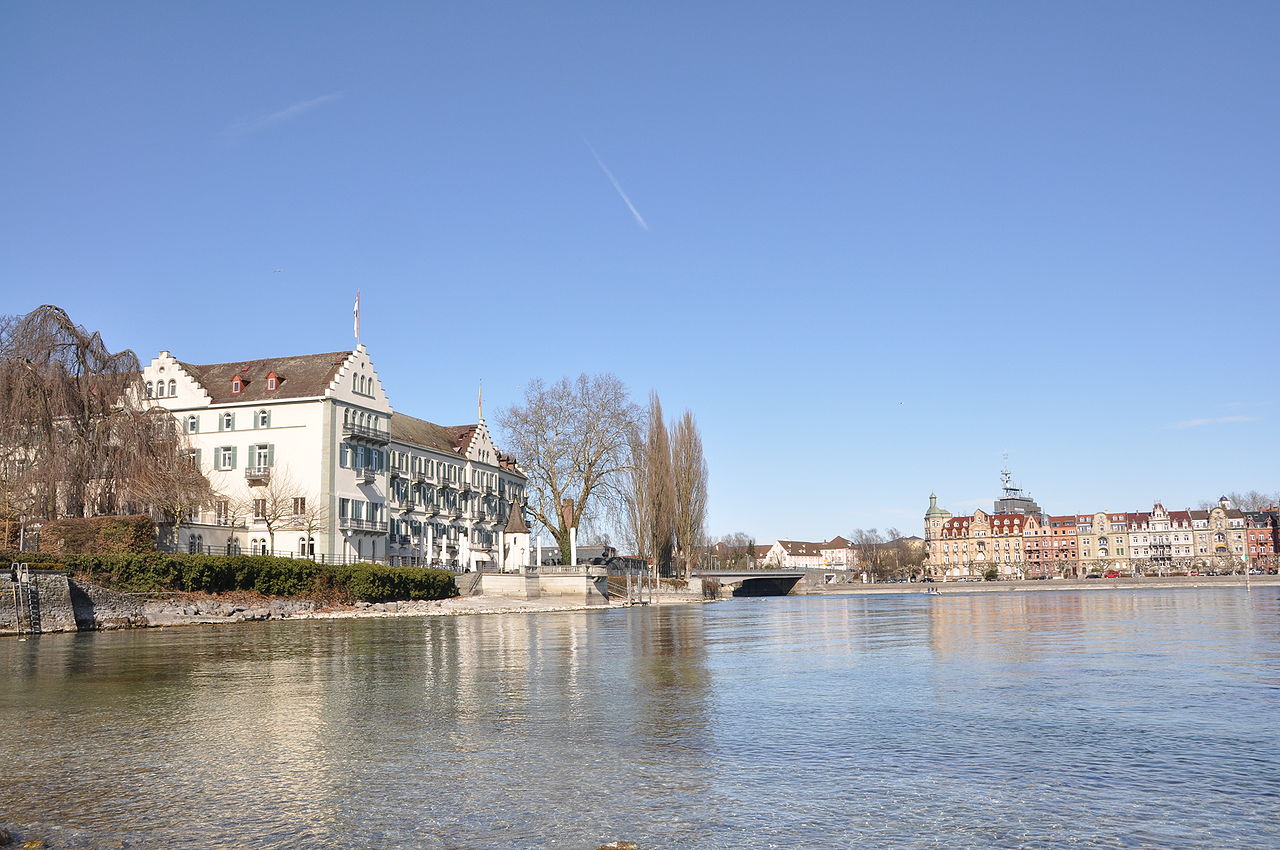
511,585
53,591
589,589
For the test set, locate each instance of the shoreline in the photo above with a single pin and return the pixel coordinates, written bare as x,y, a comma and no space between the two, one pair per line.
152,611
945,588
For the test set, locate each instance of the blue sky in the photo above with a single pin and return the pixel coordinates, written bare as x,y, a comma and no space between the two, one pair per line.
871,246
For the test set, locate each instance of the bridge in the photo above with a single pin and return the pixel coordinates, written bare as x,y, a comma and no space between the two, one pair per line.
754,582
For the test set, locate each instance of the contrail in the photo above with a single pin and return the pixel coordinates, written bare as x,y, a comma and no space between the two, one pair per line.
618,186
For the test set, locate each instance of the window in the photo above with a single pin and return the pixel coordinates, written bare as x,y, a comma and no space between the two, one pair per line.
262,456
344,508
222,512
299,505
193,424
259,510
224,457
227,422
159,389
272,382
262,419
173,387
236,384
151,389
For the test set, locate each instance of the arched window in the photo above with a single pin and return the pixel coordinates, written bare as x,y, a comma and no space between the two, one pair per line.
228,422
193,424
355,382
173,387
159,389
346,416
264,418
151,390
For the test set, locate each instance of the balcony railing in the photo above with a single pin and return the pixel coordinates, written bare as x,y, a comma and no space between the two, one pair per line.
363,524
367,432
366,474
257,473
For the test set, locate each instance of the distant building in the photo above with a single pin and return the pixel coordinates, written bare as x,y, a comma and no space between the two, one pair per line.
1158,541
837,553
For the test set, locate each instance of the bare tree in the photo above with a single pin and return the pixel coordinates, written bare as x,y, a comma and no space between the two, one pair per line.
633,515
279,504
689,470
659,488
75,431
572,441
869,544
173,487
736,551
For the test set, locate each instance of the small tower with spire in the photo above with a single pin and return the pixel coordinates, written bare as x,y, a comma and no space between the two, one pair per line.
934,518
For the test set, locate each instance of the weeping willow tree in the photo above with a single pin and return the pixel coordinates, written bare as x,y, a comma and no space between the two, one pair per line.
76,438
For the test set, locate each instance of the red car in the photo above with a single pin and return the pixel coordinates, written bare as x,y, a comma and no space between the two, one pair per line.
1113,575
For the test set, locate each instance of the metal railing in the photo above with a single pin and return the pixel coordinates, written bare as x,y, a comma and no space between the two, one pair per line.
355,430
257,473
362,524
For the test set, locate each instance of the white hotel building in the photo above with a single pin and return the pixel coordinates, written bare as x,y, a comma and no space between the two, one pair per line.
307,450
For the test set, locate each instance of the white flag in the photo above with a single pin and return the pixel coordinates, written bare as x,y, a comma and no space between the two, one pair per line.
356,312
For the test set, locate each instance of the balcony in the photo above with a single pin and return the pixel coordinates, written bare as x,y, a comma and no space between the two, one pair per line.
376,435
257,474
367,474
363,524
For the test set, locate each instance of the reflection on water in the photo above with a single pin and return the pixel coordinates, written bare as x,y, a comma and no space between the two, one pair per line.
1121,718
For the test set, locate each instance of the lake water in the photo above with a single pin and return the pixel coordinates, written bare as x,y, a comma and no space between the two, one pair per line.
1145,718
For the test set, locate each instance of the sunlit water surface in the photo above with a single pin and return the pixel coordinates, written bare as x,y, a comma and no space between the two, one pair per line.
1090,719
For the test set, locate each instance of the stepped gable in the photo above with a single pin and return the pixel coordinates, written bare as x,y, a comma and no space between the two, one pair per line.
299,376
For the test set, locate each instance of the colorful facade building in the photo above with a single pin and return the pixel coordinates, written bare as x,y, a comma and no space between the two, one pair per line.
1156,542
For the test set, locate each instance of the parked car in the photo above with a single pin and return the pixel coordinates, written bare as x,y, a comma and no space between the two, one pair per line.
1112,575
1094,575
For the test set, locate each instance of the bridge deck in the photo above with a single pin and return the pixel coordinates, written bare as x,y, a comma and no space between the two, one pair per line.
750,574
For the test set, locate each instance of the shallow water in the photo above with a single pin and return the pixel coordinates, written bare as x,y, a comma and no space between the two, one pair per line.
1143,718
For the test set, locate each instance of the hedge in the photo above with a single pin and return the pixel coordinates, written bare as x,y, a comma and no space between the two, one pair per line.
155,572
114,534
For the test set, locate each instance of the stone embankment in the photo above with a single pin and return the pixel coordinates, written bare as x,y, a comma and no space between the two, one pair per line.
66,605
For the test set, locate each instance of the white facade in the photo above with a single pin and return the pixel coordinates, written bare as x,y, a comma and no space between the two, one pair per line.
307,454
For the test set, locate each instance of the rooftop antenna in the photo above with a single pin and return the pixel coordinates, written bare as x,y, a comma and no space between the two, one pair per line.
1005,476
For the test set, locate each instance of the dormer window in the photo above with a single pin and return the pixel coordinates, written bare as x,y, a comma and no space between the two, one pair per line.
273,382
237,384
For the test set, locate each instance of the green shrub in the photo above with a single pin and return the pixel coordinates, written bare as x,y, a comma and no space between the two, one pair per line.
991,574
156,572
